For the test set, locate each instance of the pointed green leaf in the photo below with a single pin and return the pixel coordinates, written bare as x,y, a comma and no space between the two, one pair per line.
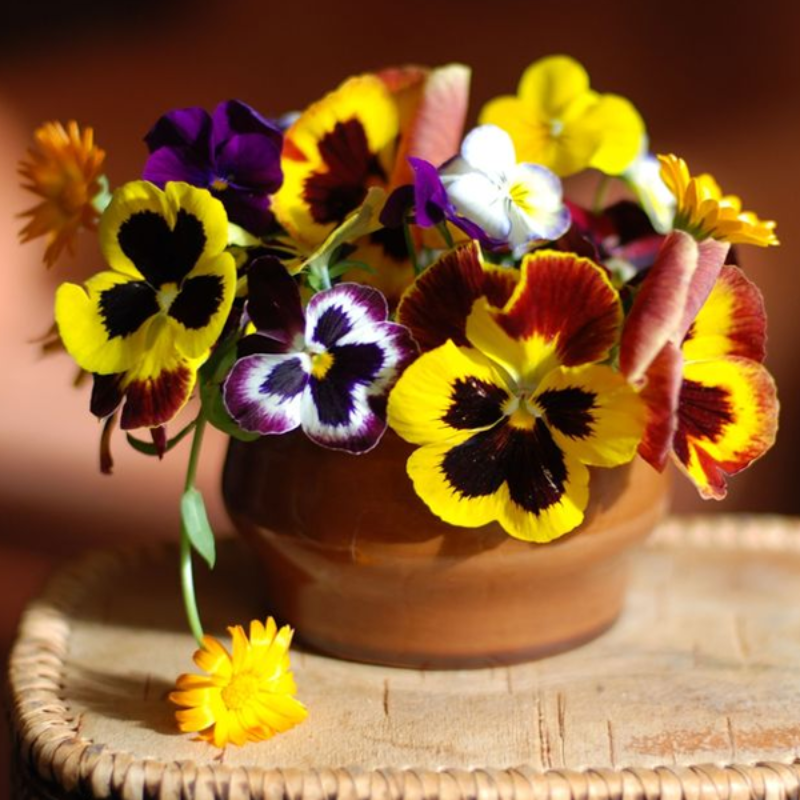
196,525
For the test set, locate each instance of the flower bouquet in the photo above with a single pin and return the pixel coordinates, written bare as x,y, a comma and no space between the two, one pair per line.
363,264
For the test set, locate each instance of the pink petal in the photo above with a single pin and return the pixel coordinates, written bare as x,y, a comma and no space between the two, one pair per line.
660,306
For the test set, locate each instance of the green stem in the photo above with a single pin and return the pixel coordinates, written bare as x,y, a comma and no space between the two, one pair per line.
412,250
601,194
187,572
443,229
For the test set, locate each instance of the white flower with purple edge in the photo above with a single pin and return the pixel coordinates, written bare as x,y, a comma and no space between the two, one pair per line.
521,204
328,370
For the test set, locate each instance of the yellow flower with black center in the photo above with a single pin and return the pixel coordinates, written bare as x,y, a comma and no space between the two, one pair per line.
558,121
508,422
728,406
146,325
704,211
64,170
247,696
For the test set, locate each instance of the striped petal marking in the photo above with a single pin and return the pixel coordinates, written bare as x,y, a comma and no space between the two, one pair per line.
508,421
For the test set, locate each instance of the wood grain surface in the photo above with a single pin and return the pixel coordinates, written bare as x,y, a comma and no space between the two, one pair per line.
697,688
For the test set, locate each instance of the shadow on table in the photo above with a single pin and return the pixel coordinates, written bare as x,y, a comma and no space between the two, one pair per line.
137,698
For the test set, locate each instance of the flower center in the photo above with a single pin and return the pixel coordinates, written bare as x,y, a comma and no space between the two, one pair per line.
166,296
521,196
321,364
521,412
240,692
219,184
556,128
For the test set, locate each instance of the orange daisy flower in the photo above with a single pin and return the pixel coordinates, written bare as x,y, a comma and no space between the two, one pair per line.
64,170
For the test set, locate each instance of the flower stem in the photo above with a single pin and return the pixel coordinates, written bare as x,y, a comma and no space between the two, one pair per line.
601,193
187,572
412,250
445,231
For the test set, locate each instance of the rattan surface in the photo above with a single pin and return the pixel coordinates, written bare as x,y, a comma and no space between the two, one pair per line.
695,692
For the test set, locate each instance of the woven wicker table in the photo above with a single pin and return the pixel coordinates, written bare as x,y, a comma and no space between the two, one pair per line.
694,693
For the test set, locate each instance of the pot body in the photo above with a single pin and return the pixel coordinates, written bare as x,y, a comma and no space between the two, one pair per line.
360,567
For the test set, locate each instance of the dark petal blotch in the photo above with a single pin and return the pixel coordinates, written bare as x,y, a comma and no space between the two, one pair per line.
125,307
474,404
198,301
160,254
569,410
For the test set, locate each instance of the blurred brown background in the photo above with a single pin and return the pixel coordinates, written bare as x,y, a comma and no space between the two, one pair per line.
716,82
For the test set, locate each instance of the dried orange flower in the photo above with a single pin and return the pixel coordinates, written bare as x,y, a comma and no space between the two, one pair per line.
64,169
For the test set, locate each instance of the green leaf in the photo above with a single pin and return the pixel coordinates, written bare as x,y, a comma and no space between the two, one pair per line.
149,449
196,526
216,413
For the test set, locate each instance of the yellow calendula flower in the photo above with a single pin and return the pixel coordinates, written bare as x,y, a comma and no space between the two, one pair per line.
246,696
703,210
558,121
64,170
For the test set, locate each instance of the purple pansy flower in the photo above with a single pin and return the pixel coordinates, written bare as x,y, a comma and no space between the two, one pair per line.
328,370
236,154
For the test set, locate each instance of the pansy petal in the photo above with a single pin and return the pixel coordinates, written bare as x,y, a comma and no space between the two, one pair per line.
158,235
333,315
337,414
159,385
176,164
333,153
732,322
593,413
489,149
728,417
249,210
436,307
661,394
199,311
552,84
565,302
234,118
659,307
104,324
619,129
107,394
252,161
444,392
274,304
478,198
184,126
515,476
345,407
535,206
264,392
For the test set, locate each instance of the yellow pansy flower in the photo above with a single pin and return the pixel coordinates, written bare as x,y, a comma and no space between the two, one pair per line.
558,121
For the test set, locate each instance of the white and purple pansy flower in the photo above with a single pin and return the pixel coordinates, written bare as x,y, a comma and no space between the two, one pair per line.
327,370
519,204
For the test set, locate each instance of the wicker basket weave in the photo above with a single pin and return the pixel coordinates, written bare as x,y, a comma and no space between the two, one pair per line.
695,693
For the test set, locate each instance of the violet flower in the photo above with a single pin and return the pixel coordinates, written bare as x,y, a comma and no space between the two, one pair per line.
234,153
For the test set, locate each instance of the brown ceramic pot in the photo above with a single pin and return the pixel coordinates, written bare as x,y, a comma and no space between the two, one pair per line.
359,566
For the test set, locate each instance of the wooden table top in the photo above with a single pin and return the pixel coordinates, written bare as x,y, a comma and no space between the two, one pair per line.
696,689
